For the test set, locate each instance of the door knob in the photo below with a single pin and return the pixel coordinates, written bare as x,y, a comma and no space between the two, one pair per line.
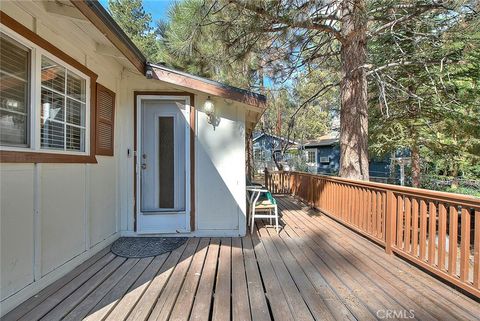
144,166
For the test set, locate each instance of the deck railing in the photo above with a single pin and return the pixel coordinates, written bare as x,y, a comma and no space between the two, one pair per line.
435,230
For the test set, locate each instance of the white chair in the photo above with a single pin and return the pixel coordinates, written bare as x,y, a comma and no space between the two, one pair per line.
266,204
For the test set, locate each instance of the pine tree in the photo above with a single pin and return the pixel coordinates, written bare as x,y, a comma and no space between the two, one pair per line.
137,24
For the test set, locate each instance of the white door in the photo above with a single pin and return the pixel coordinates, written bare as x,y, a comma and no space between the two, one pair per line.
163,165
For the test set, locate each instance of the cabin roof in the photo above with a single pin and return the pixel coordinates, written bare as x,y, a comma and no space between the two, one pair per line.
275,137
325,140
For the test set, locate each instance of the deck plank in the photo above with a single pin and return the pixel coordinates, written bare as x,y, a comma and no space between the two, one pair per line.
167,299
144,306
240,302
314,301
112,298
53,300
82,292
131,298
256,292
335,305
37,299
298,306
371,295
97,294
274,293
347,295
183,305
222,298
203,298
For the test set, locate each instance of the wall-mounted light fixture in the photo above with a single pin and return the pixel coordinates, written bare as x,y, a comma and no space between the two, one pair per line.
209,109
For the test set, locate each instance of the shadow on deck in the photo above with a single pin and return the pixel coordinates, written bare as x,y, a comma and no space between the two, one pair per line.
315,269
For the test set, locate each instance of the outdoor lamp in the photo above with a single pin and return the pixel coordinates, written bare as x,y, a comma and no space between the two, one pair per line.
209,109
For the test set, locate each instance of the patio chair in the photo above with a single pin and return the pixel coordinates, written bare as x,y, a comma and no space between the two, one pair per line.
261,200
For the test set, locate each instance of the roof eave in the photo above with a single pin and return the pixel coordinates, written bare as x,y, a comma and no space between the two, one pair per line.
208,86
102,20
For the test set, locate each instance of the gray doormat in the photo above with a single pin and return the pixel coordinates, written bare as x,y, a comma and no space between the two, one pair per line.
138,247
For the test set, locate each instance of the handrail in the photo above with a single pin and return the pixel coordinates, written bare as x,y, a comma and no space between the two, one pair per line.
444,196
438,231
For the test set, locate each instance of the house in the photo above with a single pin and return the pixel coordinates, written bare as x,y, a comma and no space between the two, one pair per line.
96,143
323,157
265,146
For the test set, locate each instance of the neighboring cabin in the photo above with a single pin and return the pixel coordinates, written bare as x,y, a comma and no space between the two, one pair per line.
265,146
323,157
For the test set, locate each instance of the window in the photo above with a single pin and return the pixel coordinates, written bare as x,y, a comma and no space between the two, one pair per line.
325,160
14,93
44,102
311,156
258,154
63,111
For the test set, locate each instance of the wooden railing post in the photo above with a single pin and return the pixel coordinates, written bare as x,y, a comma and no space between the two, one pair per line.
390,221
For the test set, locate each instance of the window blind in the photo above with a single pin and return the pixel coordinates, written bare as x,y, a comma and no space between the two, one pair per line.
63,108
14,92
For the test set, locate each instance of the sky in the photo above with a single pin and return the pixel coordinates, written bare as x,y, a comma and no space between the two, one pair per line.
157,8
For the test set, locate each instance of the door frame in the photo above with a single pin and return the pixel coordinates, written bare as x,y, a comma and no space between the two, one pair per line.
189,99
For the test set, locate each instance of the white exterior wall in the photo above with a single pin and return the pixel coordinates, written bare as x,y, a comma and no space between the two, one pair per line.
55,216
220,174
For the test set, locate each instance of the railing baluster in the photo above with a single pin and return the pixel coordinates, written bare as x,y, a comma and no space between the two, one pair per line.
415,216
408,222
423,229
374,213
476,251
384,215
390,221
399,221
369,211
442,226
453,240
465,244
432,216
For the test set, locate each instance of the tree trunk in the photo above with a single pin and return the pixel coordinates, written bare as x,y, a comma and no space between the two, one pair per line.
353,91
415,165
249,165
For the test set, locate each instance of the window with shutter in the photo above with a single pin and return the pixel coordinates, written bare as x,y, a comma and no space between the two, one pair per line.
105,121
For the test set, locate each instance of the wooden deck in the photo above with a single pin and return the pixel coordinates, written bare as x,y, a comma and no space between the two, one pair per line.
315,269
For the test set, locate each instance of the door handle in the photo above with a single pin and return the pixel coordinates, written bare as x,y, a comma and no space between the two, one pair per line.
144,166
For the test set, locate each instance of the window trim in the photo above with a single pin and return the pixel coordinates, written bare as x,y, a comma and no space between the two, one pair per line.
313,151
10,154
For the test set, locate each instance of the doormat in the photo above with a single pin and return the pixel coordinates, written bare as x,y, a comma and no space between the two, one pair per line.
138,247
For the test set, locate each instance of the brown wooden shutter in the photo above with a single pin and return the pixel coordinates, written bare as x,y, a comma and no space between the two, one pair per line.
105,113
